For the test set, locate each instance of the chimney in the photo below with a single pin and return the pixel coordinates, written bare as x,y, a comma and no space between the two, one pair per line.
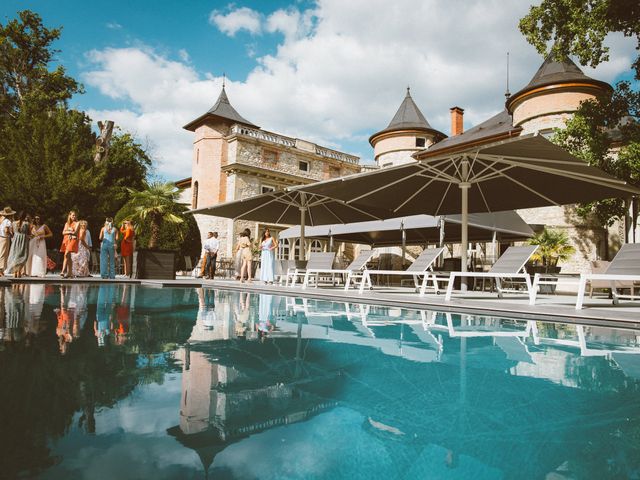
456,121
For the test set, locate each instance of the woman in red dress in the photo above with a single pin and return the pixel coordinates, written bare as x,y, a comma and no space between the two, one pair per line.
69,243
127,245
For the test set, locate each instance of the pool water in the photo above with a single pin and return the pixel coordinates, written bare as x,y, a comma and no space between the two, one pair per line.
120,381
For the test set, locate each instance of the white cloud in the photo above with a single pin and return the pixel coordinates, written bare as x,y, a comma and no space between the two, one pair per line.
113,26
339,73
235,20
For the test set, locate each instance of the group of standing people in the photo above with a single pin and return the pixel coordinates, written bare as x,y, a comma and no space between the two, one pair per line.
244,256
23,249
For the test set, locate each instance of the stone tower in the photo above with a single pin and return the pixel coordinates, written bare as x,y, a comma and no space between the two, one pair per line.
208,184
552,96
408,132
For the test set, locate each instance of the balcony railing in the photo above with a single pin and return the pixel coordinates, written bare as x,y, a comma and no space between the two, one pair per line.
291,142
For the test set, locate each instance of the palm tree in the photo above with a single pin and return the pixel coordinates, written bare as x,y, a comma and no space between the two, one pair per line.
156,203
554,247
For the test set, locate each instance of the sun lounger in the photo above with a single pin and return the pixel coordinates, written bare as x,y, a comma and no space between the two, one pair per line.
419,268
317,261
354,269
624,267
510,265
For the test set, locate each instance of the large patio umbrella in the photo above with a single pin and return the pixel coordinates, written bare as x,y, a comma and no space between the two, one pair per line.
294,207
523,172
420,229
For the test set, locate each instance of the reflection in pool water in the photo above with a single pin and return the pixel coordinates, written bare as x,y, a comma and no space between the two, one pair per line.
134,382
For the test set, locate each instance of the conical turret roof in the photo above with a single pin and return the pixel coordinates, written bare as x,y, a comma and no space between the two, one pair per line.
221,109
408,117
554,72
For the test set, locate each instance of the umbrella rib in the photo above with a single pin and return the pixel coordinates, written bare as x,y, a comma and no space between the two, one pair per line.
479,176
516,161
442,199
414,195
530,189
283,213
254,209
441,173
332,212
486,204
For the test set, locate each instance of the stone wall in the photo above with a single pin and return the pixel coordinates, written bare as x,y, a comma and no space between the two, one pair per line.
588,239
286,160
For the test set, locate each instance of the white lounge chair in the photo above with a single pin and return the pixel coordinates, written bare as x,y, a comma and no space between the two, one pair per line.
510,265
319,261
624,267
354,269
419,268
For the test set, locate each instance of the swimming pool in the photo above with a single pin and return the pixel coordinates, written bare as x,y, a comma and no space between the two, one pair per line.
121,381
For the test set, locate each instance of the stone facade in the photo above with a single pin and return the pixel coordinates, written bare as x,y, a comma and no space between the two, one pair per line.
233,161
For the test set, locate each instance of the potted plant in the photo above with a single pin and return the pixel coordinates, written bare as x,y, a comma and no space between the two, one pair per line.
553,247
149,209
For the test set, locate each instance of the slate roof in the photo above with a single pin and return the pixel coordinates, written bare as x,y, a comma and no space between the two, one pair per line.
553,72
221,109
408,117
501,123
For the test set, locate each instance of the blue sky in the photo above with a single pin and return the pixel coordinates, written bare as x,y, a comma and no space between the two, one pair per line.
329,71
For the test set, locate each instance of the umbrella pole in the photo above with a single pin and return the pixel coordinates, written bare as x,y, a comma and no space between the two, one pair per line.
441,240
464,191
404,243
629,221
303,211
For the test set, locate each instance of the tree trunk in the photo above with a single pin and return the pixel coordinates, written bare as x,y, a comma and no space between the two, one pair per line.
155,231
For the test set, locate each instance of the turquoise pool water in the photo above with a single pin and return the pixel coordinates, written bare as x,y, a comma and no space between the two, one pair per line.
131,382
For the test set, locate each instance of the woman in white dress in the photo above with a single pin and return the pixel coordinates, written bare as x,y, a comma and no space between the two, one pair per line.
267,257
37,261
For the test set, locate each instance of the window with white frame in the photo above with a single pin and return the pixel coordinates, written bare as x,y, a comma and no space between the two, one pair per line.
267,188
316,246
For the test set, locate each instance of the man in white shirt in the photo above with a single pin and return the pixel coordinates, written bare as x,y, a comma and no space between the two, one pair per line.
211,247
6,232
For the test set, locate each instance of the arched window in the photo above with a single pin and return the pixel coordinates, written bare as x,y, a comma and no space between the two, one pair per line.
316,246
194,197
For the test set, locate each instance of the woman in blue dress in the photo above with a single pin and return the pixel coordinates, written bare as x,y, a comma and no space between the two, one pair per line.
109,238
267,258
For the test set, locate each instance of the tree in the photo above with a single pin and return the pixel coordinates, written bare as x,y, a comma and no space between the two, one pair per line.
152,206
579,27
25,55
46,151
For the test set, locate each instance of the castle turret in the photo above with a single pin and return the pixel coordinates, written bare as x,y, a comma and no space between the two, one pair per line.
408,132
208,186
552,96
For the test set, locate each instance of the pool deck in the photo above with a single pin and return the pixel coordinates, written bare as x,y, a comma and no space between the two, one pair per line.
560,308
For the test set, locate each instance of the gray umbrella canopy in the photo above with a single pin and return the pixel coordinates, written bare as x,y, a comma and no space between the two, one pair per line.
523,172
421,229
294,207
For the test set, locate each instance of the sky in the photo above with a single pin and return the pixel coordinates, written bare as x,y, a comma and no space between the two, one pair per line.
330,71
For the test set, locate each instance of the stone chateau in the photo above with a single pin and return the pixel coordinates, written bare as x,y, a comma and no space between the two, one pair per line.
234,159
